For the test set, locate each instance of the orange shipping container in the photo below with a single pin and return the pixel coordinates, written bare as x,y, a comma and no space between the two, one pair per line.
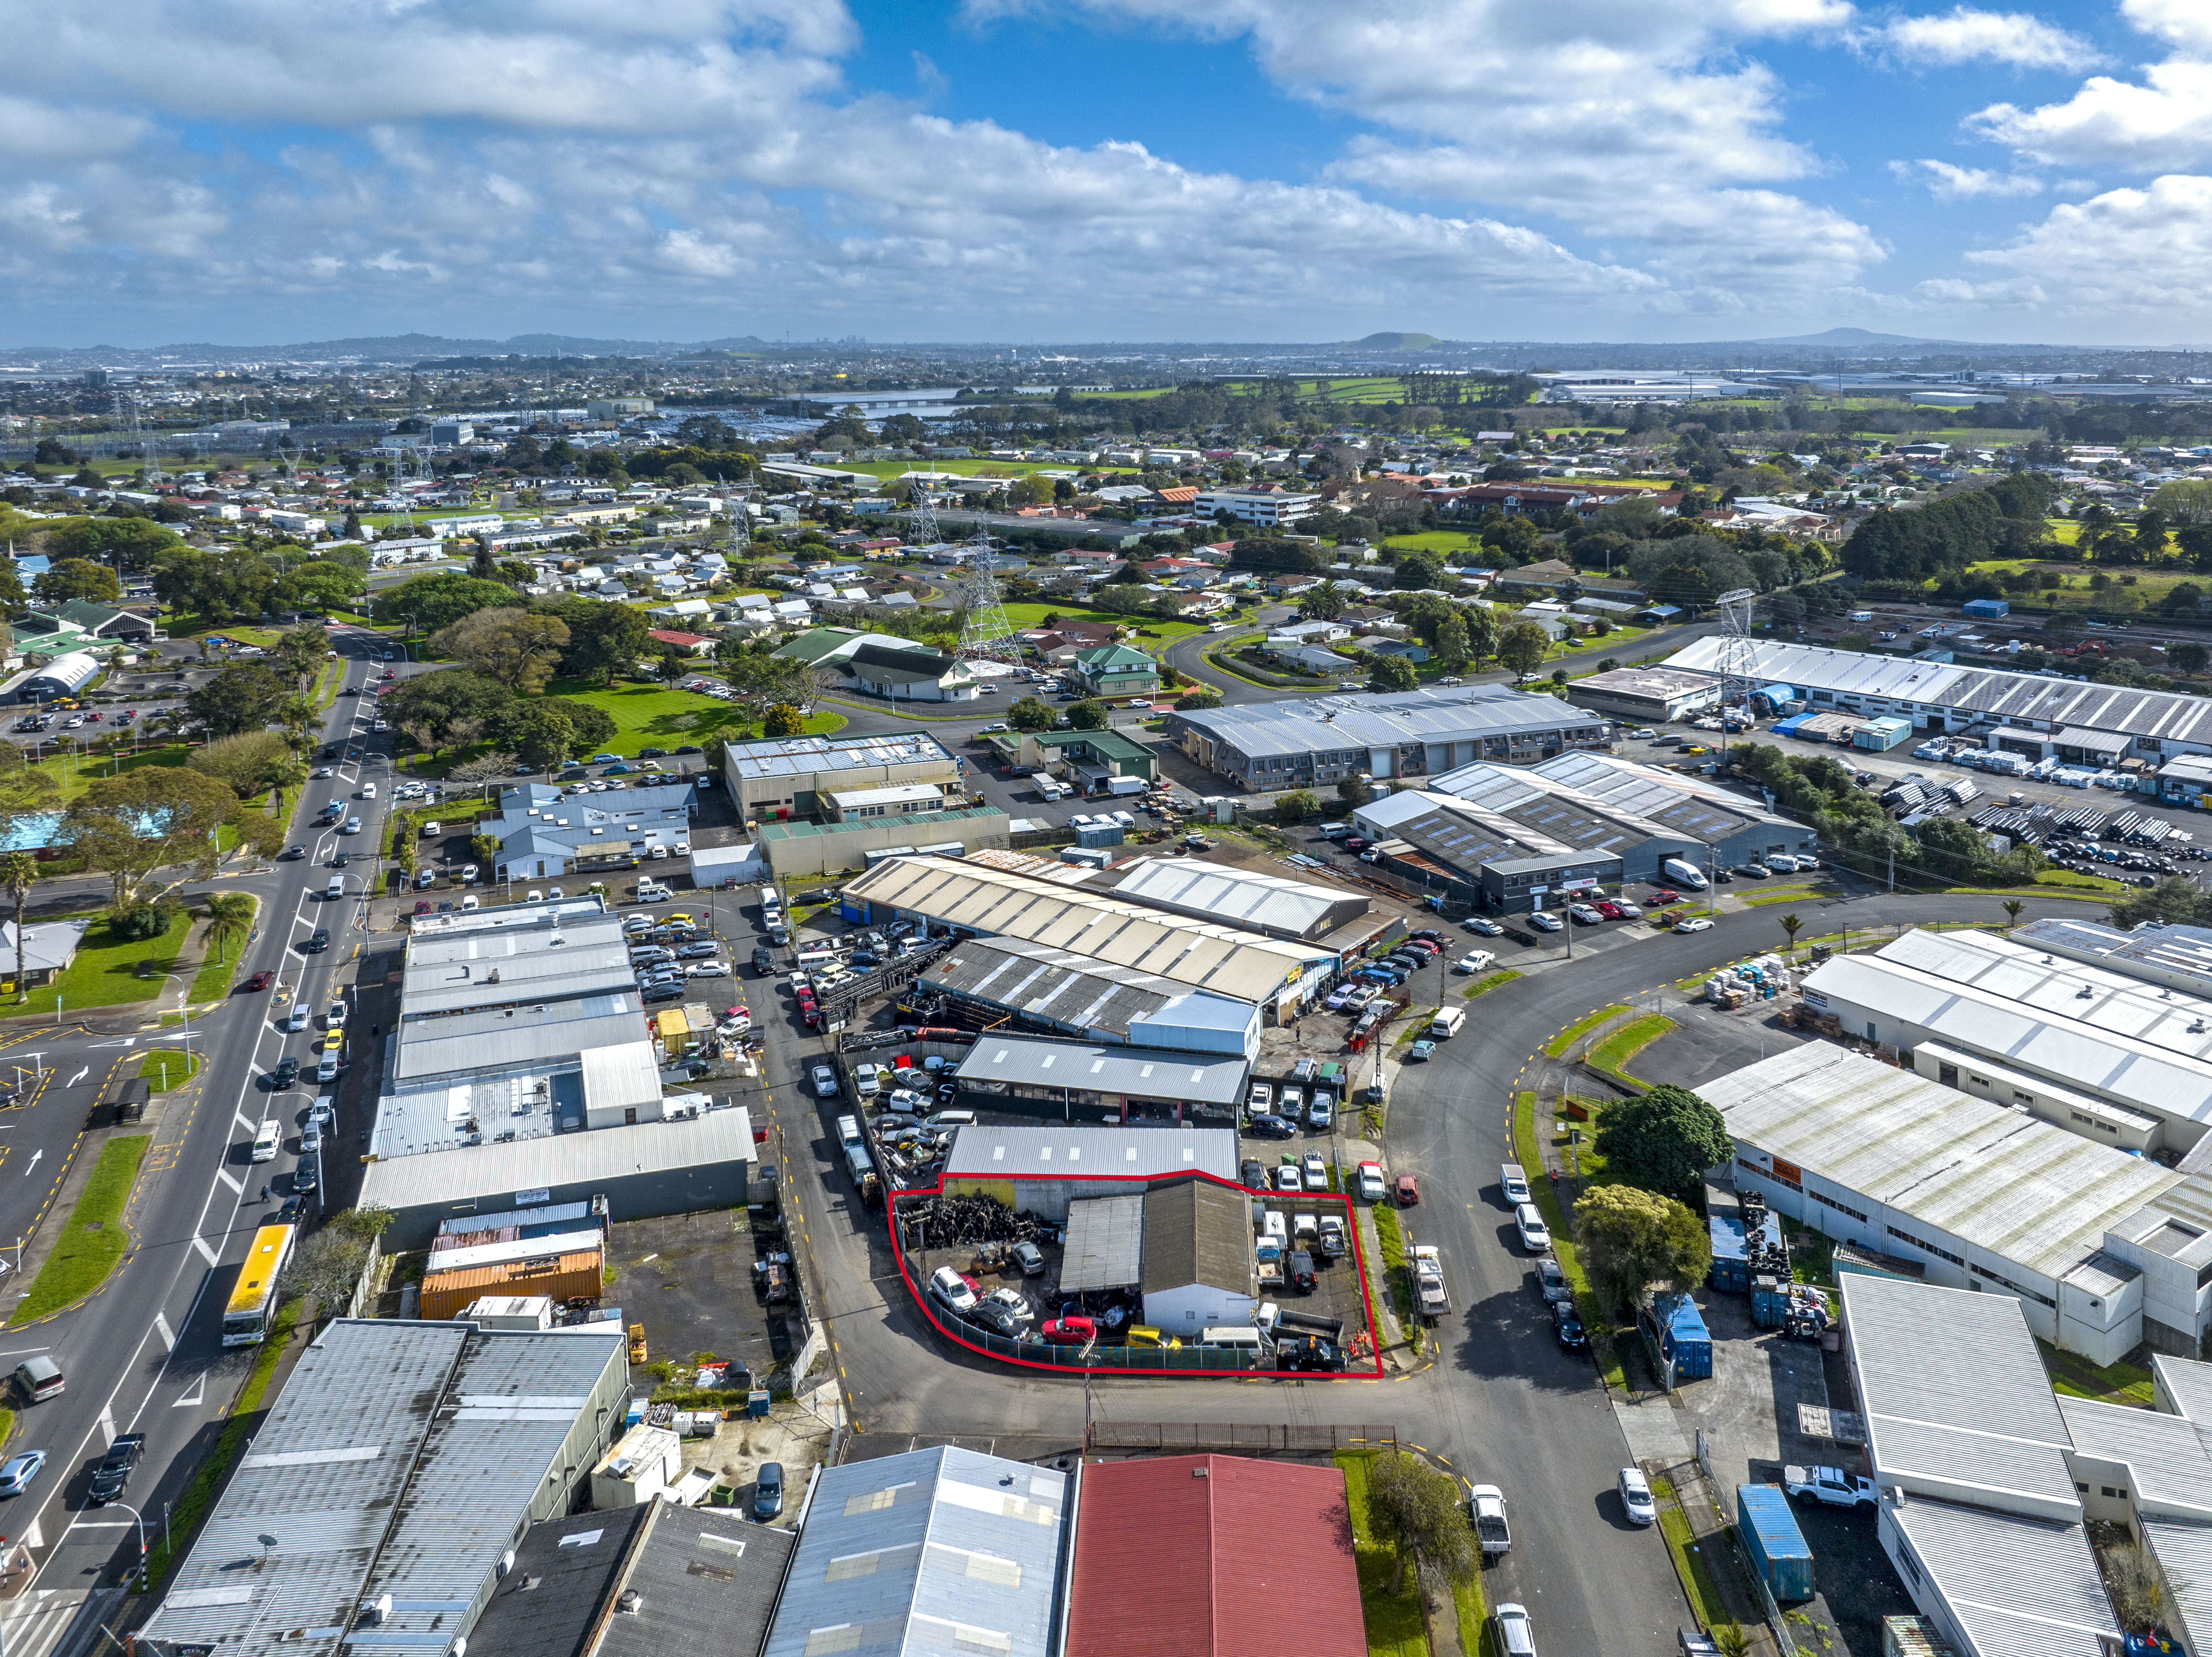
561,1278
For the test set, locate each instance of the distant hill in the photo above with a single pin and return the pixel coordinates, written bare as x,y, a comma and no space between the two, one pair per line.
1393,343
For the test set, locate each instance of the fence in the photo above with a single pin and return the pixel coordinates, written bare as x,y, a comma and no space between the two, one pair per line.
1716,1495
1237,1438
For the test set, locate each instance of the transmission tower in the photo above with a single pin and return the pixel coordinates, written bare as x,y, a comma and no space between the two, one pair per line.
987,634
1738,657
921,517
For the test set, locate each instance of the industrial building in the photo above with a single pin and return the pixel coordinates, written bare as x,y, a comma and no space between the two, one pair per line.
779,778
802,850
2098,722
1646,695
1117,1083
995,901
943,1550
377,1503
637,1581
1086,760
2103,1251
1041,1171
1255,898
1319,741
2105,1033
546,833
1058,992
1199,1268
1198,1554
1730,828
1469,854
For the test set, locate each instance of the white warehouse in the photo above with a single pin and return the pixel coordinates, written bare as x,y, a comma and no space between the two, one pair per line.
2105,1251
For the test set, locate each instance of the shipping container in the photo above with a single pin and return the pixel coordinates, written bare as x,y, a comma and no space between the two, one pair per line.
561,1278
1773,1546
1731,1272
1682,1337
1882,734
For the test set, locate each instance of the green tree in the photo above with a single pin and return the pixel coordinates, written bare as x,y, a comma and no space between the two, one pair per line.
1792,926
1632,1239
19,873
1416,571
1297,806
1391,673
76,577
433,602
1089,714
449,709
605,640
328,1261
1198,697
248,762
1663,1141
229,916
299,650
1417,1509
782,719
217,586
2013,907
1320,604
1032,714
2174,901
1451,643
519,648
2184,502
241,697
1522,648
2188,656
1482,631
26,791
542,734
108,824
323,586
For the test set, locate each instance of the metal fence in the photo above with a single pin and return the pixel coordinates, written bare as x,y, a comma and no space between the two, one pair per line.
1238,1438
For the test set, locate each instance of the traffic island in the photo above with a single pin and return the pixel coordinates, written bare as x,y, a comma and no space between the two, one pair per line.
94,1241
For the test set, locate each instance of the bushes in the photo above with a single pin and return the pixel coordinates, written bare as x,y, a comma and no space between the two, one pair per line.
137,923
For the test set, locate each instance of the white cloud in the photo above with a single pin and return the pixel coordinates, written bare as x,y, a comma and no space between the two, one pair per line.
1950,184
1966,35
2161,122
2142,252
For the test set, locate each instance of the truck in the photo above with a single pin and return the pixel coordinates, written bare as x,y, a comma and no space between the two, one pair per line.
1773,1544
1485,1512
1429,1290
1333,1245
1274,1320
1832,1487
1121,788
866,1180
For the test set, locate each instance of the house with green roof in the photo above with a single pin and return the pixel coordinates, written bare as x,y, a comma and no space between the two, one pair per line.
1117,671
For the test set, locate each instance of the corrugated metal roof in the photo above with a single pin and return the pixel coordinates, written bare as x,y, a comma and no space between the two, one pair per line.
2185,1555
561,958
538,1033
454,1177
1326,724
1680,803
812,756
2171,1462
1244,897
1464,834
2016,1587
1103,1247
981,1151
400,1458
1078,991
1167,1560
942,1549
2024,1190
1553,807
1196,1232
1136,1072
2187,1383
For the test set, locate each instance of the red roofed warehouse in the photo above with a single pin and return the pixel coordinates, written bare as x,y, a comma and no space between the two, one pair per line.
1197,1554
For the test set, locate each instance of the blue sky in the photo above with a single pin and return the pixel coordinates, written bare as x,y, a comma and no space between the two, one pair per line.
240,171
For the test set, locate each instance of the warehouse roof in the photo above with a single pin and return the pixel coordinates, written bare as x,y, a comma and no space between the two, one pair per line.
449,1179
2017,1585
461,1042
1462,834
996,902
1680,803
559,958
1244,897
2179,956
985,1151
1078,991
1204,1079
1655,685
938,1550
807,756
2024,1190
1200,1554
1197,1232
922,822
2004,696
1103,1246
1554,809
1325,724
400,1459
2107,1031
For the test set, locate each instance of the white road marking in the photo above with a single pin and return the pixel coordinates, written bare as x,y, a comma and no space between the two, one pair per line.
196,1395
247,1122
32,1167
233,1181
103,1525
79,1076
161,1328
34,1538
201,1243
106,1425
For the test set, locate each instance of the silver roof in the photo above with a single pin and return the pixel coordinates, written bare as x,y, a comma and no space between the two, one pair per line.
495,1039
1552,808
1680,804
808,756
1243,897
2021,1189
2168,1455
1204,1079
943,1550
1465,835
1326,724
2177,957
1078,991
984,1152
560,958
498,1171
1103,1246
400,1459
2017,1587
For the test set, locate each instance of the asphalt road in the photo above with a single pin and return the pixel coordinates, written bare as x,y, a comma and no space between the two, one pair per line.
1503,1403
144,1355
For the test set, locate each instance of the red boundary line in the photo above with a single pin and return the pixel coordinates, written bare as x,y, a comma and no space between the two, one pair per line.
1351,1230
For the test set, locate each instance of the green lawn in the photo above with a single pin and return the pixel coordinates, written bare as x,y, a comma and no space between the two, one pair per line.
1392,1241
103,974
1558,1044
1484,985
1147,628
93,1240
1612,1055
78,773
1395,1626
168,1067
212,981
651,716
1690,1562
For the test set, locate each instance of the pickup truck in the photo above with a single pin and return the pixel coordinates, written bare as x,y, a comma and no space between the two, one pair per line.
1831,1486
1486,1511
1331,1237
112,1476
1428,1281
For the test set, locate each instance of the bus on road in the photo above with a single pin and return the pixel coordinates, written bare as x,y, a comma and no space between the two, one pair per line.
253,1300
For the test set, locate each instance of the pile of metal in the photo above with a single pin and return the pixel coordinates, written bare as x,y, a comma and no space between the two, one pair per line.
2140,828
963,1223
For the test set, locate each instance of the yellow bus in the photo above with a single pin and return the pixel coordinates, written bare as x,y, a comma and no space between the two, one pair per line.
253,1300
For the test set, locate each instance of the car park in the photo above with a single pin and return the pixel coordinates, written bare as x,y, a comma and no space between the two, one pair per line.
1753,870
1545,921
1252,1174
1316,1171
1320,1113
1585,914
1071,1331
1271,1126
1475,960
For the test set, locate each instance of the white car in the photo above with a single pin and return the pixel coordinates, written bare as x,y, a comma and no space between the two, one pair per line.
1287,1177
1474,961
1585,914
708,969
296,1020
1535,1235
950,1290
1367,1180
352,825
1517,1637
1693,924
824,1081
327,1069
469,874
1642,733
432,830
1628,911
1316,1171
336,1018
1545,921
1635,1496
864,1076
1137,702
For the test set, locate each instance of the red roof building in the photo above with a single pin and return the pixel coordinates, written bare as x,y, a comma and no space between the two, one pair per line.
1198,1554
689,642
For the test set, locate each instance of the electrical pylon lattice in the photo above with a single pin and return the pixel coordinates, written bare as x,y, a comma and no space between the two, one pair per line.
987,632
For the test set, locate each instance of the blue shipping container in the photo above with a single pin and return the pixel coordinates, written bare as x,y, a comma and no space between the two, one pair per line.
1773,1544
1731,1272
1989,609
1684,1339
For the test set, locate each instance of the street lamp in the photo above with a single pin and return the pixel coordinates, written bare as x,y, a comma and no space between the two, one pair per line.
140,1519
183,1012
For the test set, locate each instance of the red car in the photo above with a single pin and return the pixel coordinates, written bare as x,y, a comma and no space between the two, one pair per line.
1665,895
1607,907
1409,1191
259,982
1072,1332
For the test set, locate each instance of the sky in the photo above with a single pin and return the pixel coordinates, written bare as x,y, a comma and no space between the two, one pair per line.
245,172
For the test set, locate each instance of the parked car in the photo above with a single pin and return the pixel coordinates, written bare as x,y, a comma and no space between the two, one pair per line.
1545,921
1287,1178
1421,1050
1693,924
1567,1324
1072,1332
1252,1174
1517,1635
1271,1127
1535,1235
824,1081
1367,1182
951,1291
1483,927
1635,1496
16,1476
1316,1171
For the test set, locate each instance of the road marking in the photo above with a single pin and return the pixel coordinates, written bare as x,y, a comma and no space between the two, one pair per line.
34,1167
103,1525
194,1398
34,1538
246,1121
107,1426
168,1336
79,1076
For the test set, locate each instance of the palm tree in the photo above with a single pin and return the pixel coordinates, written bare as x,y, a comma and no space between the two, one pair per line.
2012,908
1790,924
229,918
19,872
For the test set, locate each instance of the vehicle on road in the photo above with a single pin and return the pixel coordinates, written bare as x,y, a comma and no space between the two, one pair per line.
267,1140
318,941
1517,1635
1429,1280
1408,1191
1535,1235
1513,1182
1693,924
326,1067
259,982
17,1475
1552,1281
1567,1324
1486,1513
1367,1182
1420,1050
39,1378
824,1081
110,1475
282,1078
1635,1496
1832,1487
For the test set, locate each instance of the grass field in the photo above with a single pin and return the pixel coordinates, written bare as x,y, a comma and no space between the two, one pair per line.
1395,1626
92,1238
1391,1239
1150,632
75,774
655,716
103,974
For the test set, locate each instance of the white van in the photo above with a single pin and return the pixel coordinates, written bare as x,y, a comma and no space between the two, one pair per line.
650,891
848,1130
1782,863
1336,831
1446,1022
266,1138
1049,790
1242,1336
1682,874
335,890
1275,1226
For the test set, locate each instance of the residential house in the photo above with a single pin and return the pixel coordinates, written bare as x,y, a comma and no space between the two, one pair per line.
688,644
1117,669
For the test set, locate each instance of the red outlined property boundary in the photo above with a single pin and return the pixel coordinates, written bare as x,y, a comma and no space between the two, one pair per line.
1370,1371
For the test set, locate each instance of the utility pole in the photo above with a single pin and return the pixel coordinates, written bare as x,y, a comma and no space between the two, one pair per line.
1893,868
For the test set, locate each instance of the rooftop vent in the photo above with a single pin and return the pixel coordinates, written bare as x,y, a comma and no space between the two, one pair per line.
631,1602
377,1612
